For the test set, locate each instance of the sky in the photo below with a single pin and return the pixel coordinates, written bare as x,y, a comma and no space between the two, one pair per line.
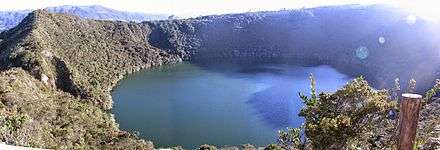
179,7
185,8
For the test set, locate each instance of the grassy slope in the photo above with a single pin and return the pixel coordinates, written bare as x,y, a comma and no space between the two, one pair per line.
82,57
57,78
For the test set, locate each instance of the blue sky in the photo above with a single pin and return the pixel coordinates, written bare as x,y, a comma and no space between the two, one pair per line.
186,8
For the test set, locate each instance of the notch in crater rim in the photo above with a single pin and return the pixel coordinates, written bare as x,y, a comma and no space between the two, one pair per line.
412,96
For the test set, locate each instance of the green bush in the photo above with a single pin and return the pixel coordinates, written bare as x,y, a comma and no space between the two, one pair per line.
355,117
14,122
346,119
273,147
334,120
291,139
207,147
432,92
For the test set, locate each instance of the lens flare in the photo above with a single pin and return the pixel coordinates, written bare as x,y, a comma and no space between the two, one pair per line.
381,40
362,53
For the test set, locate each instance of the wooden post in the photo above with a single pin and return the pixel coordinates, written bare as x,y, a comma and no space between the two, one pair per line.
408,119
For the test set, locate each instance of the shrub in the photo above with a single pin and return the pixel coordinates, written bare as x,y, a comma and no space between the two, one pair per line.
291,139
14,122
248,147
432,92
207,147
355,116
273,147
346,119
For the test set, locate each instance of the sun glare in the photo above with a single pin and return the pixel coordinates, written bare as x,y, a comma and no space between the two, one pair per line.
427,10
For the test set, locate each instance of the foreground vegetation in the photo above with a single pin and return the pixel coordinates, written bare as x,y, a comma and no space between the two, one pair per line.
32,114
358,117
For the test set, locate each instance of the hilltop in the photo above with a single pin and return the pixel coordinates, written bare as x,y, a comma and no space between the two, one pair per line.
58,69
9,19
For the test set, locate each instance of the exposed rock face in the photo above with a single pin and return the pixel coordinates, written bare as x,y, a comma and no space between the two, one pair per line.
45,79
83,59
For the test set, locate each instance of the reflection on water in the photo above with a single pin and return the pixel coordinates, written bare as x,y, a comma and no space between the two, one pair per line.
190,104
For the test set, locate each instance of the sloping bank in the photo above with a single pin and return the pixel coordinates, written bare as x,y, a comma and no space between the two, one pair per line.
58,70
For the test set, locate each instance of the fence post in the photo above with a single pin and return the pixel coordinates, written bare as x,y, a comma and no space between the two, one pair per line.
408,119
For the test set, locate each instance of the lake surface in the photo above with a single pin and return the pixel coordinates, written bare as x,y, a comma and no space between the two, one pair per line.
189,104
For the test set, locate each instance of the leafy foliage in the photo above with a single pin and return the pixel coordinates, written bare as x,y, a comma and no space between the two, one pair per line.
207,147
291,139
340,120
432,92
273,147
14,122
356,117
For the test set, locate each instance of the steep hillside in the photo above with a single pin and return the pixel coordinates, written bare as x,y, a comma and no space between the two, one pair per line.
80,56
76,63
348,36
32,114
9,19
58,70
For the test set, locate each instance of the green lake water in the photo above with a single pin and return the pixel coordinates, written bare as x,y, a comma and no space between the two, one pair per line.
189,105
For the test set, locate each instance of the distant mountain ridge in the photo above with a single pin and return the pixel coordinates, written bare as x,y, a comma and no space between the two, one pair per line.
9,19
